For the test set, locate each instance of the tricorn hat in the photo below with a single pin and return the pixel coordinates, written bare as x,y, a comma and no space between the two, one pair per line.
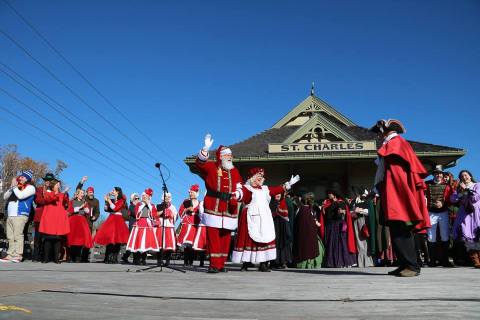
49,177
438,169
383,125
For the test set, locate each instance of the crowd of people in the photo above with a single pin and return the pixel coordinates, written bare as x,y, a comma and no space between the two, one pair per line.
403,220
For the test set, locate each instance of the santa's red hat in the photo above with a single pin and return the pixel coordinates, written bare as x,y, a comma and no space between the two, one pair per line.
148,192
90,189
254,171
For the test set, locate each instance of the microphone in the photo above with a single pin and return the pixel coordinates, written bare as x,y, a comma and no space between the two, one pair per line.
157,165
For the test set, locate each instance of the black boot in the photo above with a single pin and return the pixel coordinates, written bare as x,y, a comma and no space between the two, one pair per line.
144,259
186,258
125,257
108,254
168,255
202,259
159,258
263,267
85,254
191,258
445,262
56,251
432,254
47,250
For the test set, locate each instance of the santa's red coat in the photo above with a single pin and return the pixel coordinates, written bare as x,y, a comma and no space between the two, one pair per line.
219,213
403,189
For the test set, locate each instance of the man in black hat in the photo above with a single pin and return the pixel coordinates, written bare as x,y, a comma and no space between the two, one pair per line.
40,203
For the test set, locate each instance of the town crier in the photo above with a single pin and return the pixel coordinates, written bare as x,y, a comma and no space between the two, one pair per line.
399,180
220,205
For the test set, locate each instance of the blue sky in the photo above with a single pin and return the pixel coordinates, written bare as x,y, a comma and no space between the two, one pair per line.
179,69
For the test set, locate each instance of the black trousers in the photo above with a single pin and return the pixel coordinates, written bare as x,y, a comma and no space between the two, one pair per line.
37,244
403,242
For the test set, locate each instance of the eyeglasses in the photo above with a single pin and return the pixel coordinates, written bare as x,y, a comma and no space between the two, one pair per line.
136,198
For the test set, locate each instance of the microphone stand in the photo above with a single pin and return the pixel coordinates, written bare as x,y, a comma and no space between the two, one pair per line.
165,191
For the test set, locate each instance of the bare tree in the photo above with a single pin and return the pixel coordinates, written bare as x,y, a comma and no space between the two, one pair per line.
11,163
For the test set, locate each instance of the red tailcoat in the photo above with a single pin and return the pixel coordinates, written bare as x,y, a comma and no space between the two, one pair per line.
403,189
219,213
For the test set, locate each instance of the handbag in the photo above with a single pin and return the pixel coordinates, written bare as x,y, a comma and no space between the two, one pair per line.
364,232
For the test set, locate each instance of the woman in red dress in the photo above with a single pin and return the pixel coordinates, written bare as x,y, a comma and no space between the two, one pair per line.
166,240
54,224
142,237
79,238
113,232
188,212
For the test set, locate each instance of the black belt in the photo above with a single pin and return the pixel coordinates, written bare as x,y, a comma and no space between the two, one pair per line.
225,196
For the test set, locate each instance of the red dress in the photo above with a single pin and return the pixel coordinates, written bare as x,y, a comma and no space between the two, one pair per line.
189,225
80,234
113,230
168,241
246,249
142,237
54,217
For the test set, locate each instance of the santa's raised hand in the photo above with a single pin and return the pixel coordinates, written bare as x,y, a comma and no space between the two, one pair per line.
294,179
208,142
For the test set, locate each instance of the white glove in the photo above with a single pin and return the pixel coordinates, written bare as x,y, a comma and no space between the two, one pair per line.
236,195
208,142
293,180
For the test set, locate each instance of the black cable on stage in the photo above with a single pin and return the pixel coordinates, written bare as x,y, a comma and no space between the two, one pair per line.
16,43
66,131
72,121
69,146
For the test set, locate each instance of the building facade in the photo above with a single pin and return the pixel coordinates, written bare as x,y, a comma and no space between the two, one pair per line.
328,151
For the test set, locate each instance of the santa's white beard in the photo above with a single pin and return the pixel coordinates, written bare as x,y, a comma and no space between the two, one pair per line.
227,164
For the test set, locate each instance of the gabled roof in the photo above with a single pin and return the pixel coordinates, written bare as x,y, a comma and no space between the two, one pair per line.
312,104
319,120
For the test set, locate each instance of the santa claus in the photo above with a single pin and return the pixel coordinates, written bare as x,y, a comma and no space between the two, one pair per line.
220,208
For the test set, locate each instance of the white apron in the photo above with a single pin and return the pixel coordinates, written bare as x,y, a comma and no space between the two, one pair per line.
259,217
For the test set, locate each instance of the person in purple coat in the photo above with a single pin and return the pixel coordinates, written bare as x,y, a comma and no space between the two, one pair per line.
467,224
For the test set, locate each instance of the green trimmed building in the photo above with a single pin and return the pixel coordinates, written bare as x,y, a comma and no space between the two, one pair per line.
325,148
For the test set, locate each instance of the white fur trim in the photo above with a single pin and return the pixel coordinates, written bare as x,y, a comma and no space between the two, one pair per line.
211,220
225,151
254,256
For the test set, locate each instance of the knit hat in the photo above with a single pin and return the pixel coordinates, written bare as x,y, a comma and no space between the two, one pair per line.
90,189
28,174
195,188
